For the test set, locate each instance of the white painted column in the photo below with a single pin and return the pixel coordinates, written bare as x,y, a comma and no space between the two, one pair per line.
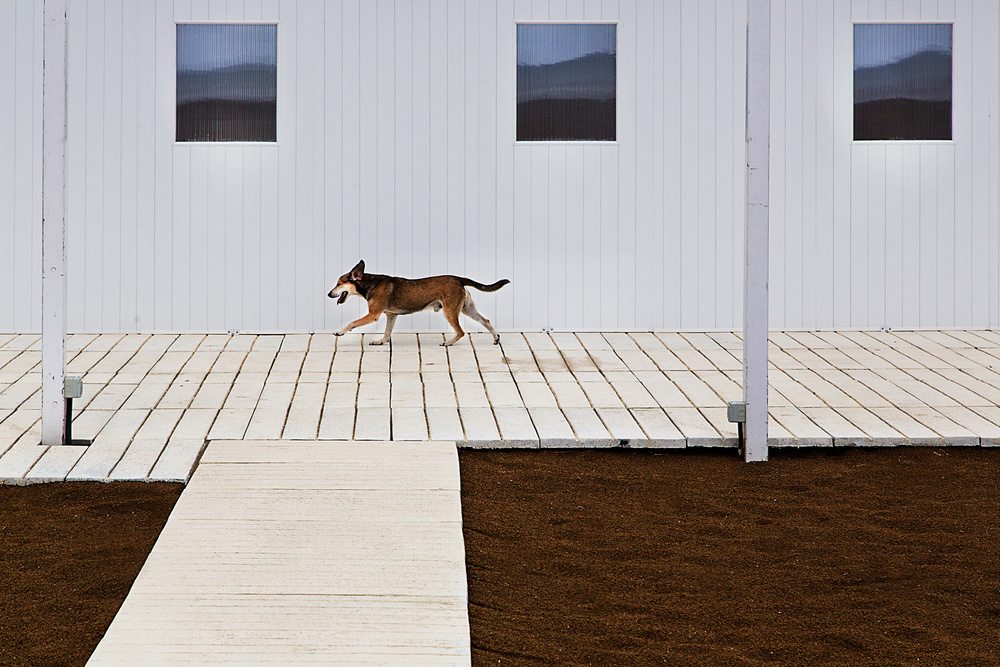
53,221
755,298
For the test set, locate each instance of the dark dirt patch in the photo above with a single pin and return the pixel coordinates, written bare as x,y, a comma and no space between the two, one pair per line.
68,556
887,557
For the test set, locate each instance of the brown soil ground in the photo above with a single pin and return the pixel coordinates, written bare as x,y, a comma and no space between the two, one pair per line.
619,557
852,557
68,556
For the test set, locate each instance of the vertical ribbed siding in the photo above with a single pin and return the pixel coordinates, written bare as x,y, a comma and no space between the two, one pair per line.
396,143
8,129
881,234
20,165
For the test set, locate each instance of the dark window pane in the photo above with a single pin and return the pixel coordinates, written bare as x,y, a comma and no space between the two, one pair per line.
902,81
226,82
566,82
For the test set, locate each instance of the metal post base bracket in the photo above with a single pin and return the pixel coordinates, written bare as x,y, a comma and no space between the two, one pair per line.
73,389
737,414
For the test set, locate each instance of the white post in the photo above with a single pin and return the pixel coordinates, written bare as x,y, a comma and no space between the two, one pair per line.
53,222
755,301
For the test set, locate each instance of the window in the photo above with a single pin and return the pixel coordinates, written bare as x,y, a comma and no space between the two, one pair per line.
226,82
566,81
902,81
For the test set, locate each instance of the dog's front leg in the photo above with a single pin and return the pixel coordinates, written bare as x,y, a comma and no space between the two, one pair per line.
360,322
390,319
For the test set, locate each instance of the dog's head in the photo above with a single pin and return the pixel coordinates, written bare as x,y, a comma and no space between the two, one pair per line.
347,284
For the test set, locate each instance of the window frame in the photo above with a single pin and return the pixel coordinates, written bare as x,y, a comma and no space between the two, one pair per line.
565,142
277,77
951,101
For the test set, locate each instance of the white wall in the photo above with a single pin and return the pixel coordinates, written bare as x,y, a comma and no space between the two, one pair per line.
396,144
20,166
881,234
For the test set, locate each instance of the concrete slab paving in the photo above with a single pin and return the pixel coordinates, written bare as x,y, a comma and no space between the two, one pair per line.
320,552
409,423
516,428
914,431
778,435
480,427
55,464
987,431
719,419
695,427
660,431
827,388
445,424
138,460
373,424
177,460
552,427
805,431
843,432
621,425
950,431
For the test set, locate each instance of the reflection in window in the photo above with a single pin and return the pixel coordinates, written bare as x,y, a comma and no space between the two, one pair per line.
226,82
902,81
566,82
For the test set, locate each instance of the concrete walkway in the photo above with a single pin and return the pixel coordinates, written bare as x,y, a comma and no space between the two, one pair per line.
334,553
151,402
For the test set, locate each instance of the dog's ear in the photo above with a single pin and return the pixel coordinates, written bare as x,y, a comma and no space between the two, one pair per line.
358,271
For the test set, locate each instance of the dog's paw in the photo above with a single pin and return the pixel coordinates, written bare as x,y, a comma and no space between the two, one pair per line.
339,333
496,341
377,342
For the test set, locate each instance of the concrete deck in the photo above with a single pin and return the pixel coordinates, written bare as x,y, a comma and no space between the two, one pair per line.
288,553
151,402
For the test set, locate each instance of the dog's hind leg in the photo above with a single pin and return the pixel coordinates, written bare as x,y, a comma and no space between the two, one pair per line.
390,320
469,308
451,315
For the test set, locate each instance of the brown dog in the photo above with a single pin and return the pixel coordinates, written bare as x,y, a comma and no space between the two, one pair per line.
402,296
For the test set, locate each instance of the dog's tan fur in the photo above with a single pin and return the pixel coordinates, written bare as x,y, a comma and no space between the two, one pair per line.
402,296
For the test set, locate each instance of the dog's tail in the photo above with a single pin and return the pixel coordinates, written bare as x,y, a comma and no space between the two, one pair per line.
484,288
